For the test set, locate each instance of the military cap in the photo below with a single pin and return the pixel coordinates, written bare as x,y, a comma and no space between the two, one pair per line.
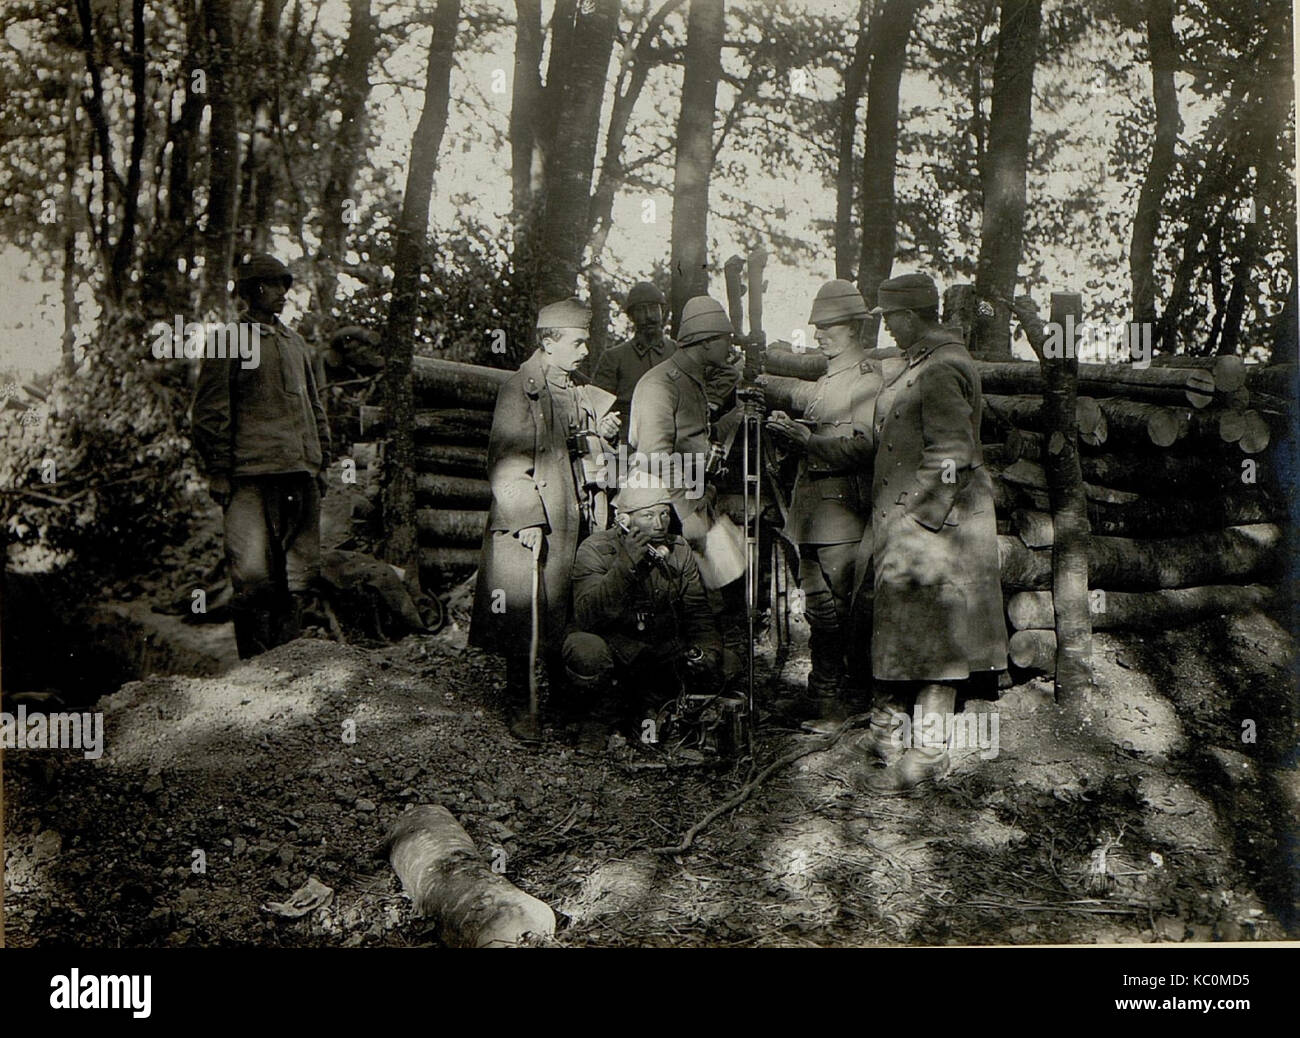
634,497
906,292
567,313
261,266
837,301
644,292
703,318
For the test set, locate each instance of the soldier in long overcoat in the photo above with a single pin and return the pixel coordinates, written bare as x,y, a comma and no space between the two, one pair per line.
831,504
938,611
537,504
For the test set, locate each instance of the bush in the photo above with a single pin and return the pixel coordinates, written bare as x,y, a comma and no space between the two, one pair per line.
102,473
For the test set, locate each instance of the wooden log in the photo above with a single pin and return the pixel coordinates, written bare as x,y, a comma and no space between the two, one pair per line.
1034,528
451,526
1033,650
1110,610
448,425
453,491
1157,517
449,882
1188,475
1159,385
1255,435
1142,422
451,459
442,567
1031,475
1278,380
1025,412
456,384
1228,372
1235,554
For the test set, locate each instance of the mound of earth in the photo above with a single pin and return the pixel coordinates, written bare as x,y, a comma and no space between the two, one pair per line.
1143,813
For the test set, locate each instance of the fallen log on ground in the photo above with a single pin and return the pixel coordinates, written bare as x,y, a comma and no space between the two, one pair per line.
443,874
1032,610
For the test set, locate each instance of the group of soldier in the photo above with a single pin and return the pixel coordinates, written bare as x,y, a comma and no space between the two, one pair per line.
892,511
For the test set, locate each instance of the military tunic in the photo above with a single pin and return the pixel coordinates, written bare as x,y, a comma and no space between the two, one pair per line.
621,367
938,598
670,415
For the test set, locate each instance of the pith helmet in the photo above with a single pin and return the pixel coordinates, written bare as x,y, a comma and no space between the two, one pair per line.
263,267
703,318
906,292
644,292
837,301
567,313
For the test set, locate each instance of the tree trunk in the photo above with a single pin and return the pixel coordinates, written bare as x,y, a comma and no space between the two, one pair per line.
398,495
1162,46
1003,171
348,150
855,78
223,159
574,93
525,98
880,148
690,239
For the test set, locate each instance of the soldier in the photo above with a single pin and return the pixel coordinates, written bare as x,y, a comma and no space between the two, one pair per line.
830,508
544,500
621,367
263,442
638,607
938,613
670,408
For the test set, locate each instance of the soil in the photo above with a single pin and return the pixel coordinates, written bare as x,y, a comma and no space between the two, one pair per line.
1139,814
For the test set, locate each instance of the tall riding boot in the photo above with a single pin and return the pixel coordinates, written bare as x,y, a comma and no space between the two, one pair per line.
254,628
289,617
926,761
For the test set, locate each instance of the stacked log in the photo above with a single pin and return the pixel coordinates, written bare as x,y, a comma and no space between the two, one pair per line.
1185,503
1186,507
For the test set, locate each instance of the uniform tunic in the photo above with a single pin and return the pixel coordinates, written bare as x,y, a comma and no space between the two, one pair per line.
621,367
938,598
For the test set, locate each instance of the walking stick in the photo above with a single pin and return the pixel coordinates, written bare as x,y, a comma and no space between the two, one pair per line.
532,641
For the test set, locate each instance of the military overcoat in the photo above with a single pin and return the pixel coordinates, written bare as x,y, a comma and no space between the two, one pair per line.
532,482
938,599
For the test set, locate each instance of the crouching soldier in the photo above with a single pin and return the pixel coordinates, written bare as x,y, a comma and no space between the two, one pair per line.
547,430
263,442
639,611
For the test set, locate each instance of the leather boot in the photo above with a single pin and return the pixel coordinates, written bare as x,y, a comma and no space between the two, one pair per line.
887,736
926,761
523,724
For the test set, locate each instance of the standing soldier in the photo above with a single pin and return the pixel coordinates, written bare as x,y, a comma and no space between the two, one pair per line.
621,367
670,407
546,496
263,442
830,508
938,614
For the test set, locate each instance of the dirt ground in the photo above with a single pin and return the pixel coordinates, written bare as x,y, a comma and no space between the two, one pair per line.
1137,816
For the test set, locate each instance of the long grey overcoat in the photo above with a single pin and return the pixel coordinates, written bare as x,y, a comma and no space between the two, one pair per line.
938,599
532,485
